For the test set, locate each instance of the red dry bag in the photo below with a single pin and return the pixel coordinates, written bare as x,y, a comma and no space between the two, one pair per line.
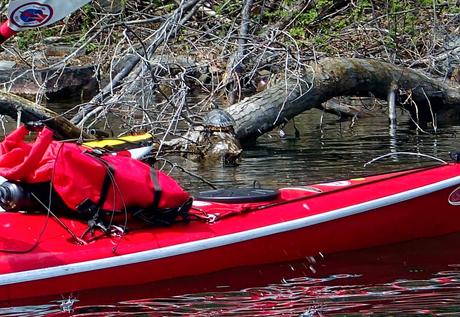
89,181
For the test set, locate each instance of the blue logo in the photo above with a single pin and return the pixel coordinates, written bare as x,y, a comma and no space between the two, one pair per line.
32,14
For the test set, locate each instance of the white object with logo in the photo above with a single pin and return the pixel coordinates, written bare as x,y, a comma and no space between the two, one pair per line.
26,14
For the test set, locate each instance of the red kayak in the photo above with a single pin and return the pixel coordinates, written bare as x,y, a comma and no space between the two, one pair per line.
228,229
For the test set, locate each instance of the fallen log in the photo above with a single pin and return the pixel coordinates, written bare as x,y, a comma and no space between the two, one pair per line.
332,77
71,81
14,106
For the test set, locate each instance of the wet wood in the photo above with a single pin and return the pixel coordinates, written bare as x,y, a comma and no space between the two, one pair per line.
11,105
348,108
58,84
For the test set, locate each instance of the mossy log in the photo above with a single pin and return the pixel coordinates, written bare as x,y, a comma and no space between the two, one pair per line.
332,77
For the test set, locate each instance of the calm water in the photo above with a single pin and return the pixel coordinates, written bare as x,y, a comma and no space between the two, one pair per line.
329,151
411,279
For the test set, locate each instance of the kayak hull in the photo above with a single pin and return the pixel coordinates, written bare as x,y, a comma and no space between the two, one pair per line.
304,222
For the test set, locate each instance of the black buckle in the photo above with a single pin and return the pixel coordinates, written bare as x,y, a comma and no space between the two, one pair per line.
455,156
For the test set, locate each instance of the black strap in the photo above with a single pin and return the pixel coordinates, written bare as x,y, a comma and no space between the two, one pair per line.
110,173
156,188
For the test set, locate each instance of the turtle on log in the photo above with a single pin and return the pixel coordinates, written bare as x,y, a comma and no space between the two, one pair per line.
218,120
212,141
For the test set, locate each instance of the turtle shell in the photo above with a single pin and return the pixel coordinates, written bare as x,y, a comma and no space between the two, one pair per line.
219,120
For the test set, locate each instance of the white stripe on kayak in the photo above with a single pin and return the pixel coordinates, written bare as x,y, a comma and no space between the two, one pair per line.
144,256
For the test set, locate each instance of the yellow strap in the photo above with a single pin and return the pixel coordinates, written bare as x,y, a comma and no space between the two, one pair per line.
118,141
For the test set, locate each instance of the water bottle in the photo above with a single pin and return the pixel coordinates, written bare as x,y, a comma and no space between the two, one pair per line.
14,197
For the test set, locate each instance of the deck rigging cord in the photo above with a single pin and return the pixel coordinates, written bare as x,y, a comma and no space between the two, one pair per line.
110,227
63,225
405,153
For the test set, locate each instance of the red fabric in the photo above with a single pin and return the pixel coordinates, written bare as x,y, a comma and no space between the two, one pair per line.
77,175
21,161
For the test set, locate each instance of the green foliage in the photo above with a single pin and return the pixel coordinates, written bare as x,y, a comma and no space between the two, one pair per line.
297,32
71,39
169,7
360,10
403,18
27,38
426,2
91,47
309,17
88,17
410,23
393,23
274,15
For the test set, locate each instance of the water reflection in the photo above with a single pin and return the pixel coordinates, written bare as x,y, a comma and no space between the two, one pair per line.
335,151
411,279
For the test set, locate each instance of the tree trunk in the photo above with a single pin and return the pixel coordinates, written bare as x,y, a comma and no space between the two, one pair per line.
333,77
236,65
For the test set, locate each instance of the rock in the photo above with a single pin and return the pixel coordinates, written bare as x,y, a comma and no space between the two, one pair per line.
223,147
6,65
73,82
53,39
60,51
455,76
